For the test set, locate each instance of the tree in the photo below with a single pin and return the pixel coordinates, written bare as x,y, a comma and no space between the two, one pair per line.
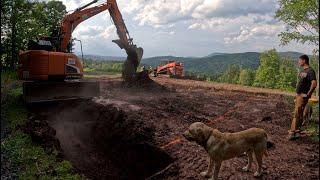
54,11
287,75
268,71
246,77
302,20
23,20
231,75
314,63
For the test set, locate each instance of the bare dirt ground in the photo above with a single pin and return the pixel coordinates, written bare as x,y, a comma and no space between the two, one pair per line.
155,116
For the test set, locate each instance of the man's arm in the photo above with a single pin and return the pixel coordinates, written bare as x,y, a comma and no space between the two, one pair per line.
312,88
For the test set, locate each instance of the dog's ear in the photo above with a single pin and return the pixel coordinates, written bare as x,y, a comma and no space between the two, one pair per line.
207,131
216,133
204,134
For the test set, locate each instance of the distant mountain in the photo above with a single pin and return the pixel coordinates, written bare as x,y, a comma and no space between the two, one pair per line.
216,63
213,63
215,54
290,55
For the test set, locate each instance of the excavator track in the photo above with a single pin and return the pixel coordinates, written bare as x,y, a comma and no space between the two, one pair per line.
37,92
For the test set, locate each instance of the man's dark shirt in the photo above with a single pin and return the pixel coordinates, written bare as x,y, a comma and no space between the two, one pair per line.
305,78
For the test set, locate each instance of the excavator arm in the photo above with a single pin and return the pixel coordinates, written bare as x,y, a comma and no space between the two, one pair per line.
71,21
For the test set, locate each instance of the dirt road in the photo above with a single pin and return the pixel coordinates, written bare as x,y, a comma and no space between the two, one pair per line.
168,107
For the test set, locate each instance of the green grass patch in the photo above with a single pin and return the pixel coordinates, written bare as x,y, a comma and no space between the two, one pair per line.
8,77
313,127
94,67
31,159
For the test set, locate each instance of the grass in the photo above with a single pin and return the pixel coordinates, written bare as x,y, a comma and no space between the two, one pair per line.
93,67
8,77
93,71
313,128
31,159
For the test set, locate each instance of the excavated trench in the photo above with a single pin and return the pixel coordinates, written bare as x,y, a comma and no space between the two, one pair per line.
102,141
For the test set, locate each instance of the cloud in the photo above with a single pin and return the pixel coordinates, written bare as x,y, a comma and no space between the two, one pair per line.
259,32
208,23
180,25
159,13
95,32
232,8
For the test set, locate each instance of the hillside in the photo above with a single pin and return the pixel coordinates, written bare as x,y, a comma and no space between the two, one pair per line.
213,63
216,63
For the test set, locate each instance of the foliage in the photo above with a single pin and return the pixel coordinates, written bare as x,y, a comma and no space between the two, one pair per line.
246,77
94,67
302,20
199,76
8,77
23,20
35,163
313,128
268,72
314,63
31,159
231,75
8,80
287,75
217,63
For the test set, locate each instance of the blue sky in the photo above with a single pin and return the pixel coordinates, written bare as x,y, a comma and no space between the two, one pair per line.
186,27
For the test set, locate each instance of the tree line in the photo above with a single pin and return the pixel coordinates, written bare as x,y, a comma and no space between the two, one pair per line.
94,67
23,20
273,72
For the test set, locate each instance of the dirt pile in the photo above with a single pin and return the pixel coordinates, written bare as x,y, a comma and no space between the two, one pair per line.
41,133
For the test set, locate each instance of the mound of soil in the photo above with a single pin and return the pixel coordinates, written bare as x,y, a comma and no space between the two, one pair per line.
41,133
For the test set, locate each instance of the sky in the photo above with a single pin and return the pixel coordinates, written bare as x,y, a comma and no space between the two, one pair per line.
188,28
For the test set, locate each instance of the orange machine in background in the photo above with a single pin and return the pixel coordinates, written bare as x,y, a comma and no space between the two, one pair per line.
171,68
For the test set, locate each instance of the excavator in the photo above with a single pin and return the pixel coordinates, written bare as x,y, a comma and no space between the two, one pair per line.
52,72
171,68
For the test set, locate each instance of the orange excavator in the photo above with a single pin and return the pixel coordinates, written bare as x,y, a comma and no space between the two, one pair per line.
171,68
53,72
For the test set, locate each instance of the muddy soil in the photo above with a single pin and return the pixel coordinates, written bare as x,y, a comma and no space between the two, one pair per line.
100,140
135,132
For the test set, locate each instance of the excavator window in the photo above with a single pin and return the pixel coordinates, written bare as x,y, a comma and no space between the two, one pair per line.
40,45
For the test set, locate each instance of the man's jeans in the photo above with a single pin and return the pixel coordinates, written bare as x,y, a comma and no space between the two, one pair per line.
300,104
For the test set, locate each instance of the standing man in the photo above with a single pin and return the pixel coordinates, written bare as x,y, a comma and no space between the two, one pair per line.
306,85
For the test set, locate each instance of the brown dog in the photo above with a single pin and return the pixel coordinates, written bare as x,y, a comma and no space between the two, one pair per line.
307,113
223,146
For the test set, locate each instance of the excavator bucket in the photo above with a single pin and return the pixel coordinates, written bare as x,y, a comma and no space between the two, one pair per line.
129,71
35,92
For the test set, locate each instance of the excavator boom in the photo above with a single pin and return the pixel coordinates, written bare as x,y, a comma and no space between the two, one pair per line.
71,21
